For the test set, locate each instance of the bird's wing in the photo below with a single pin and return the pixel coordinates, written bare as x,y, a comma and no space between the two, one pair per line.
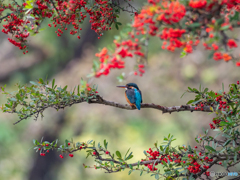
131,95
138,99
140,95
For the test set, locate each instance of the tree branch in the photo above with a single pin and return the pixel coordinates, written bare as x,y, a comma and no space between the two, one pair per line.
99,100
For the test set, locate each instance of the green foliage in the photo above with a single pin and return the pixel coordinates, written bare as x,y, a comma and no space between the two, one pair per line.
35,98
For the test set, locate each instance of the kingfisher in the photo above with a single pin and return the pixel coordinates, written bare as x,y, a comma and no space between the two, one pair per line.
133,95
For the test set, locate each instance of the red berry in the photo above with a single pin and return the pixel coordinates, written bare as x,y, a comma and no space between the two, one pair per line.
94,153
80,147
48,151
39,149
61,156
107,152
237,82
98,37
195,146
47,145
71,155
69,144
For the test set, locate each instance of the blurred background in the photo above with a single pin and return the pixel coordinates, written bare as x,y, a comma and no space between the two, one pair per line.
67,59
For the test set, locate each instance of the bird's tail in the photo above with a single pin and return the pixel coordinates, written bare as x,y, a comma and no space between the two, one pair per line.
138,106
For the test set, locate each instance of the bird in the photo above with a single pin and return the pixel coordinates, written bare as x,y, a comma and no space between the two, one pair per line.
133,95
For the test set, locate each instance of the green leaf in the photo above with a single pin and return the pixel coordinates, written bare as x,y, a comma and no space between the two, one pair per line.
223,28
7,105
53,83
227,142
65,88
210,148
145,153
205,90
111,163
194,25
130,156
116,26
183,54
41,80
190,102
118,154
129,172
105,143
34,83
235,157
78,93
183,94
34,141
13,99
127,152
156,176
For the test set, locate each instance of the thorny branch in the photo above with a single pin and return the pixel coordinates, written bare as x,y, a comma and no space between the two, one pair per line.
100,100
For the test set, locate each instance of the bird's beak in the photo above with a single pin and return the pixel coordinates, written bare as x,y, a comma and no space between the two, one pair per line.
121,86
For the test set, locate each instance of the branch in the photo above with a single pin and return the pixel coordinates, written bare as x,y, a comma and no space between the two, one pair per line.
99,100
164,109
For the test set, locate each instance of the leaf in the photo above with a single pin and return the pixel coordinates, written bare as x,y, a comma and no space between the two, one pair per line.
235,157
53,82
129,172
41,80
183,54
105,143
116,26
194,25
127,152
145,152
227,142
65,88
130,156
229,119
183,94
34,142
223,28
118,154
156,176
13,99
190,102
205,90
34,83
210,148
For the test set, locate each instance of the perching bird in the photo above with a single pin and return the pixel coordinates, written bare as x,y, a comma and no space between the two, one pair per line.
133,95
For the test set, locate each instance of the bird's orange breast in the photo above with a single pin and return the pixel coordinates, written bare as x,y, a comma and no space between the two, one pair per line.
131,104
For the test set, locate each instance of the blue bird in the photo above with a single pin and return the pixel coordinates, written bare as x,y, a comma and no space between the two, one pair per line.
133,95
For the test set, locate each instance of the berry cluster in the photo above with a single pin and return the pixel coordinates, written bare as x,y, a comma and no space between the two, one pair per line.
62,13
195,162
123,49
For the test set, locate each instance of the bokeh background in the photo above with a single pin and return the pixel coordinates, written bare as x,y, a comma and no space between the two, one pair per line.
68,59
